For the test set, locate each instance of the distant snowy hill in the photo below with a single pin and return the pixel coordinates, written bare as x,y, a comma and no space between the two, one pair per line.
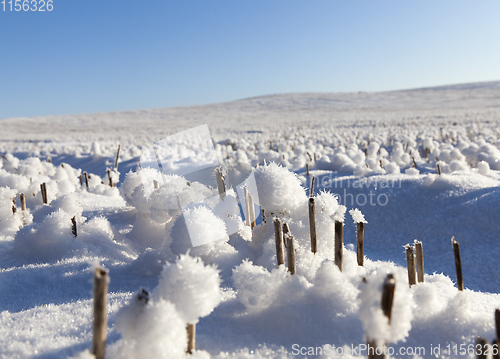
445,105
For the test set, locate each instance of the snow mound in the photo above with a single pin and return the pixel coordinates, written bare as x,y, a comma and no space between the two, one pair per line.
191,286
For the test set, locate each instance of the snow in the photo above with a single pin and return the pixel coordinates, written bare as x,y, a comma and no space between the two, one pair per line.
191,286
152,329
357,216
372,154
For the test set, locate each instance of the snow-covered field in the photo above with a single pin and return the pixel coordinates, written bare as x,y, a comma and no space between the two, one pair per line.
377,152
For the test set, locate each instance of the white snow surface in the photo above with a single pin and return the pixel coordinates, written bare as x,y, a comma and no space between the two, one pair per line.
375,155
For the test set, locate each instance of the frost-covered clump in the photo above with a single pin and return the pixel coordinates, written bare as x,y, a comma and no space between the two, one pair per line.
357,216
163,200
174,194
158,207
331,284
279,190
144,177
9,222
328,207
257,288
156,327
484,168
27,175
276,299
191,286
328,210
204,226
204,229
149,329
14,181
100,186
53,239
375,324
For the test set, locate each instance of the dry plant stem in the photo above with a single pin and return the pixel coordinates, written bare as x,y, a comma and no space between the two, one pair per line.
100,320
386,305
291,254
110,181
497,322
388,296
14,208
339,244
439,169
86,176
286,230
220,183
278,237
311,191
191,337
419,251
73,226
251,208
22,198
410,264
312,226
360,240
247,207
458,264
117,157
43,190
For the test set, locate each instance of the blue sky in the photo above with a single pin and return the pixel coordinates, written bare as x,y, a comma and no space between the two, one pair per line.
91,56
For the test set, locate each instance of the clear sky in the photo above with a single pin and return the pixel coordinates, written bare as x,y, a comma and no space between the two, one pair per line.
108,55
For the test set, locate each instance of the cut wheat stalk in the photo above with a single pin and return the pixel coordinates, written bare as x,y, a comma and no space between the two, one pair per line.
220,183
100,320
312,225
339,244
251,208
86,176
73,226
419,251
43,190
278,237
374,349
360,241
497,323
191,338
22,198
311,190
410,264
290,247
117,157
110,180
247,207
458,264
